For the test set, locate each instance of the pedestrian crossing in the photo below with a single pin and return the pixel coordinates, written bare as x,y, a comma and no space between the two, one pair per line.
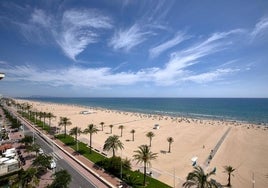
55,156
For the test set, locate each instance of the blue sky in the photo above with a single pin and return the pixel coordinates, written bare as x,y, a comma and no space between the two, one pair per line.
131,48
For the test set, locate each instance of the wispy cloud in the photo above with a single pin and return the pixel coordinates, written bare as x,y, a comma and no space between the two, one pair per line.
79,28
40,17
175,71
157,50
210,76
74,76
128,38
73,30
260,28
3,62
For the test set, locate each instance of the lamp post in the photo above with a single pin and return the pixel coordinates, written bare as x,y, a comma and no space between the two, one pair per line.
76,140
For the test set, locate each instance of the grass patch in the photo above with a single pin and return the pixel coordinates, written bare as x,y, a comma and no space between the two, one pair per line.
83,148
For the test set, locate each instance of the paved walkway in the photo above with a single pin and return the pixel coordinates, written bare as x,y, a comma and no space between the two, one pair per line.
214,151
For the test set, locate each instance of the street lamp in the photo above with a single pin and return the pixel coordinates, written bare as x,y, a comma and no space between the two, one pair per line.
2,75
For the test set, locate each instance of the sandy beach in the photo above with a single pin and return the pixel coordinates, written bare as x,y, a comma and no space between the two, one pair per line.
244,147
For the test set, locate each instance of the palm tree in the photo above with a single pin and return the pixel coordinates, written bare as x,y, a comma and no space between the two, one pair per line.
113,142
40,115
132,132
61,180
91,129
28,178
145,156
28,107
26,140
121,127
42,160
44,117
199,179
76,131
64,121
229,170
170,141
50,116
150,135
35,148
101,123
111,127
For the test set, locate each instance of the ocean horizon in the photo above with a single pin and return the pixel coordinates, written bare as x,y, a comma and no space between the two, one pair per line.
251,110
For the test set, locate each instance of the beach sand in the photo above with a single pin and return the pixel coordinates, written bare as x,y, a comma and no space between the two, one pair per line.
245,147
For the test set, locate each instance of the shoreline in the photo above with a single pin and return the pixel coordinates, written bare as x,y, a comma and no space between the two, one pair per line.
190,136
205,117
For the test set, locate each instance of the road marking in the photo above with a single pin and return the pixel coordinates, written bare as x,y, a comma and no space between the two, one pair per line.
55,156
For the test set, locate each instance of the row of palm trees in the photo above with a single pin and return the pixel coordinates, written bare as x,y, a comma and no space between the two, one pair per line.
64,121
37,115
197,178
143,154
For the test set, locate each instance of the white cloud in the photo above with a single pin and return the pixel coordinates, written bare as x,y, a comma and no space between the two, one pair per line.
3,62
260,27
129,38
74,76
210,76
73,31
79,28
40,17
180,37
175,71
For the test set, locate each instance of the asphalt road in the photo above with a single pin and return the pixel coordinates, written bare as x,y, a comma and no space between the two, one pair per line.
78,180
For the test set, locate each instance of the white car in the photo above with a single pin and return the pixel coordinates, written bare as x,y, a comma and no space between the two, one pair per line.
52,164
41,151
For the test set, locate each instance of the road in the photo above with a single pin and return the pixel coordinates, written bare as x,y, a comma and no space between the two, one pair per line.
78,179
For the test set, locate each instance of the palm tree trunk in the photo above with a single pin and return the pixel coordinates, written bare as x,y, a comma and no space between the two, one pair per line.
144,174
65,130
132,136
169,148
229,180
90,142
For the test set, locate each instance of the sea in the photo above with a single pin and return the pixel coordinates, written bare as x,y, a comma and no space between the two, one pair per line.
250,110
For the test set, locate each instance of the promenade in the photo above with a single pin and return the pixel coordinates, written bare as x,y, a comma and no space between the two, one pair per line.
98,177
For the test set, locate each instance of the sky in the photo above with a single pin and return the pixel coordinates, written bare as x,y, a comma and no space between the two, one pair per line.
134,48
